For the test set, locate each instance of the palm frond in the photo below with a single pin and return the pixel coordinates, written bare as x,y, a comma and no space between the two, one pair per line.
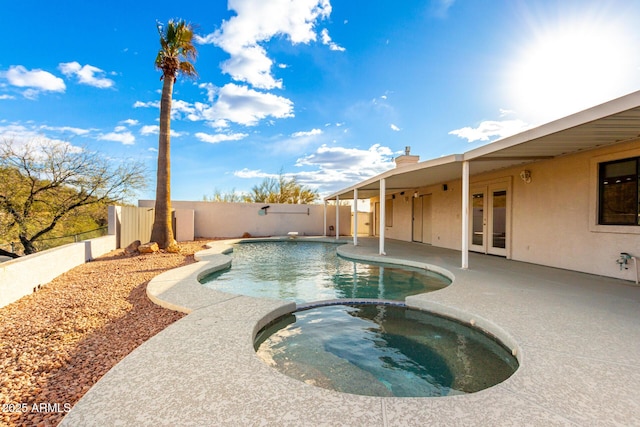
177,51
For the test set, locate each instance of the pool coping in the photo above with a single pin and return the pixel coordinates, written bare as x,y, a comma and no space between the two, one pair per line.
171,379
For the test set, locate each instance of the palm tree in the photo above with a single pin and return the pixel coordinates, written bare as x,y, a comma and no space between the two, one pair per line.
174,56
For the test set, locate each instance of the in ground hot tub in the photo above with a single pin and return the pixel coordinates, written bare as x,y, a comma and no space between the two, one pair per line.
384,350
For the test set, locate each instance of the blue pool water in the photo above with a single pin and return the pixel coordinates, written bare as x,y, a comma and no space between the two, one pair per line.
312,271
382,350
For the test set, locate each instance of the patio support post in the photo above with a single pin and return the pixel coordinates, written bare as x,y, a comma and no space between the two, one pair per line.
355,217
383,213
337,217
324,233
465,215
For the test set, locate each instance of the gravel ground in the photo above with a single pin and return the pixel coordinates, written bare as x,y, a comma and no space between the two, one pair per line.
56,343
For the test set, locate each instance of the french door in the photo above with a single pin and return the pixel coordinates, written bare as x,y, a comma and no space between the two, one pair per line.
490,219
422,219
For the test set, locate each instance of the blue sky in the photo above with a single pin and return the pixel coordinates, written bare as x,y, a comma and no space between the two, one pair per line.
326,90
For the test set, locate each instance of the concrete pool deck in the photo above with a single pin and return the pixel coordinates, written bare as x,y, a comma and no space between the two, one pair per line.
577,337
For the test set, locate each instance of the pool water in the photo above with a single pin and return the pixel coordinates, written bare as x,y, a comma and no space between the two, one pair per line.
312,271
383,350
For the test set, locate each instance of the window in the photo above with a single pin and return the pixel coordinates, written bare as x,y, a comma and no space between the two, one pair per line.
618,196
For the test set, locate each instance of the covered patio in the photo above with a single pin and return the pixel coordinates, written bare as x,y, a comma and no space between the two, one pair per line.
614,122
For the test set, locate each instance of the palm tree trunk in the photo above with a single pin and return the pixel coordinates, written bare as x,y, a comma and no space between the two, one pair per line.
162,232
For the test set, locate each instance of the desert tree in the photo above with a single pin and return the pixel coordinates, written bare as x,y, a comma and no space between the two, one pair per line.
282,189
230,197
43,182
174,57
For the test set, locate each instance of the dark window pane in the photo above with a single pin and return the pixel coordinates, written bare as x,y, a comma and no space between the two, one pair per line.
618,169
478,219
619,193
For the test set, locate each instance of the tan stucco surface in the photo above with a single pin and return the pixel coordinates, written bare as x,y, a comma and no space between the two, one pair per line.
553,218
219,219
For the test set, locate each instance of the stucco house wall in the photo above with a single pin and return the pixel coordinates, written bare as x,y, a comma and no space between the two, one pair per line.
553,218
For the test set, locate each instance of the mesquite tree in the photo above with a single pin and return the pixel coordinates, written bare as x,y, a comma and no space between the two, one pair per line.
42,182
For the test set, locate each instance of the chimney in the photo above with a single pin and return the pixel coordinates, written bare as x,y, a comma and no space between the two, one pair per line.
406,159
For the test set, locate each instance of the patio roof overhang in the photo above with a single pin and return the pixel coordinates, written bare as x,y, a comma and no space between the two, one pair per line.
606,124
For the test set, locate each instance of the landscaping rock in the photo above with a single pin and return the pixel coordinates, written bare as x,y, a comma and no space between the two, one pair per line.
148,248
56,343
132,248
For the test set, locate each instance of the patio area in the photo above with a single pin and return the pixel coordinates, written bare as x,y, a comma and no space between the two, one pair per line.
577,337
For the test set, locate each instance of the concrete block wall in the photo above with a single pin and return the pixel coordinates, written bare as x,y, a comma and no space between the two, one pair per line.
24,275
219,219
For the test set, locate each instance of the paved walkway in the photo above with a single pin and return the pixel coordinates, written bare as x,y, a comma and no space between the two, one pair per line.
577,337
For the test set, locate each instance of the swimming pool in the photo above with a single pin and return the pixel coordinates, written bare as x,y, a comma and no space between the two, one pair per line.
383,350
312,271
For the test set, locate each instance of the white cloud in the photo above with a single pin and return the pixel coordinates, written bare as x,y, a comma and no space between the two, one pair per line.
125,138
181,107
248,173
331,168
69,129
218,124
86,74
130,122
7,97
31,137
505,112
326,40
150,104
256,22
376,157
149,130
490,128
214,139
312,132
23,133
36,80
230,103
239,104
20,132
395,128
333,165
251,65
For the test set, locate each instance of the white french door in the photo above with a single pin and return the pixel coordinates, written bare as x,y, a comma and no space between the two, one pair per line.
490,219
422,219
